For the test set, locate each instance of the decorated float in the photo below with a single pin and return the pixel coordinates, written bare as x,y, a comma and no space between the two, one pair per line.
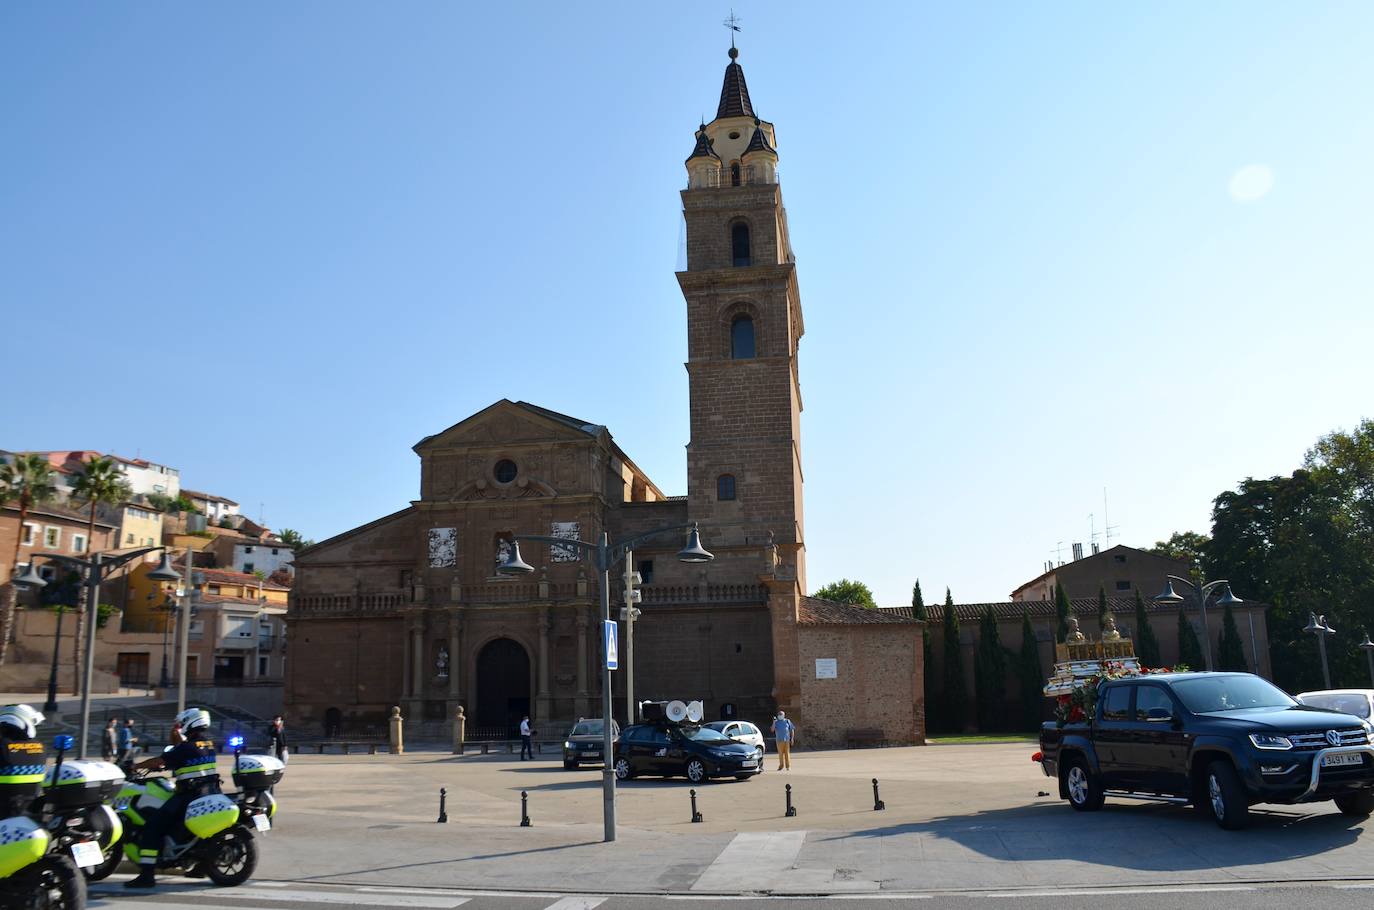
1081,664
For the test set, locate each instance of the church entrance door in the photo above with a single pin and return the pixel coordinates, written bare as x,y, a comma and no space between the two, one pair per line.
503,687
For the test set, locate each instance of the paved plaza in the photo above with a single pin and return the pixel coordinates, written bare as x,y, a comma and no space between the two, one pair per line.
958,818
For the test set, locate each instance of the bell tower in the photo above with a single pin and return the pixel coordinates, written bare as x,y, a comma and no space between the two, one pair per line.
744,323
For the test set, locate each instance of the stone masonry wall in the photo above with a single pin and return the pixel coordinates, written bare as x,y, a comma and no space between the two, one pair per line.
877,686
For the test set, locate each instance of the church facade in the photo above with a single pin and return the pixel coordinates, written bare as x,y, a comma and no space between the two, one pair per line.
409,609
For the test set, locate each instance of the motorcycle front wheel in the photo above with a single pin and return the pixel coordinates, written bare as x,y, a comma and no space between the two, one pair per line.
53,883
231,857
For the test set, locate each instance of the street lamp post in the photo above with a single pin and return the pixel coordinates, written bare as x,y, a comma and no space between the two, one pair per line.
606,555
98,568
50,705
1201,591
1318,627
165,679
1367,647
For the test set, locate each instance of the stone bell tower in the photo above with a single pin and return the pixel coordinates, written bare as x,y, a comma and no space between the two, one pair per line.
744,322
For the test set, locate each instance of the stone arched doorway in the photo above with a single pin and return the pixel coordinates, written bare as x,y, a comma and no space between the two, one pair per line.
503,685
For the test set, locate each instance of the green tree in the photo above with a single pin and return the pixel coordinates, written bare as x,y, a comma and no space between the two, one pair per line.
100,483
296,541
919,611
1146,644
1030,677
1061,611
845,591
1230,649
1101,607
989,673
953,693
1188,545
26,481
1189,649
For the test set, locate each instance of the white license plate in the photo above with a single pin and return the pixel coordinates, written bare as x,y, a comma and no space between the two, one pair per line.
87,853
591,754
1336,761
749,764
261,823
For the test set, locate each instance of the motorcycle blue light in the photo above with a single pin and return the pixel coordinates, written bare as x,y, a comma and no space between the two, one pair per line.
63,742
235,742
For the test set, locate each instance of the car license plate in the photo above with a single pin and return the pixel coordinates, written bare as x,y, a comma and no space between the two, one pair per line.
261,823
750,764
87,853
1336,761
596,754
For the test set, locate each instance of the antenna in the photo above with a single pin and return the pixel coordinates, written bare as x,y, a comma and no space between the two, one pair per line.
1058,552
732,23
1107,527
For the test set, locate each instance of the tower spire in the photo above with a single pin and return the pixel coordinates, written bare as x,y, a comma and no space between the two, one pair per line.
734,93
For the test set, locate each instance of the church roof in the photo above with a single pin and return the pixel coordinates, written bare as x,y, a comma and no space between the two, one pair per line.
1040,609
759,142
703,147
586,426
734,93
813,611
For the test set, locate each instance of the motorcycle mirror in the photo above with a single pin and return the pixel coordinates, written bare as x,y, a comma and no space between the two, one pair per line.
62,742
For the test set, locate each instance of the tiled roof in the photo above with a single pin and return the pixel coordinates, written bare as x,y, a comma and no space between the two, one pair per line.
59,510
703,147
214,599
1183,563
815,612
759,142
1038,609
208,497
734,93
224,576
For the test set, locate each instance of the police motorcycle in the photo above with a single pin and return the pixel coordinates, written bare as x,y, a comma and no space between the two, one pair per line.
37,871
74,810
216,839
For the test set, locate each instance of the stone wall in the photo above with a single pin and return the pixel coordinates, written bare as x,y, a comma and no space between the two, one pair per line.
877,686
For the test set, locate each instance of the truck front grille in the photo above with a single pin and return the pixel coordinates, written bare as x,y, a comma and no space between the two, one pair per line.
1311,742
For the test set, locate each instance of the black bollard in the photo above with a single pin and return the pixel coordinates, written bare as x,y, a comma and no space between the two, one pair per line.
791,809
443,812
878,805
524,809
696,816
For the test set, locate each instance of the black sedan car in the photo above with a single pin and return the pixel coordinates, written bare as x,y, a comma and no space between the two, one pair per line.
585,742
668,749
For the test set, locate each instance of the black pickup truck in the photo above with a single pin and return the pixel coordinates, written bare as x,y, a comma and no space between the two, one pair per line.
1221,741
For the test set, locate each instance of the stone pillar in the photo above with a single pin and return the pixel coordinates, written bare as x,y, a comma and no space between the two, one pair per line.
460,723
455,648
543,702
583,693
406,658
417,660
394,732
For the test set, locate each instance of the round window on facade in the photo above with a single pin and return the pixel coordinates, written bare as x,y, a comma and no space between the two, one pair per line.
505,471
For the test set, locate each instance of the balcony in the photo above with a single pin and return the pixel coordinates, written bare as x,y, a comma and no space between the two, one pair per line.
752,175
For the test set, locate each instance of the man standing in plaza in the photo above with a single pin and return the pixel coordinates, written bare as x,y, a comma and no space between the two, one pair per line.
109,740
127,741
526,746
277,737
786,732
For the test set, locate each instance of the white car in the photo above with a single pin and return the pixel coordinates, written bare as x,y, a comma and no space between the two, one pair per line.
741,731
1359,702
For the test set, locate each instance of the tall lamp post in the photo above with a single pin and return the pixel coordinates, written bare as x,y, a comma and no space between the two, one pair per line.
168,612
99,567
1318,627
606,556
1367,647
50,705
1201,591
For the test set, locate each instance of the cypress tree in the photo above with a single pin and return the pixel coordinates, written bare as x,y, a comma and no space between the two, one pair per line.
1061,610
918,610
1230,649
1101,607
989,673
1146,645
1189,649
953,693
1030,678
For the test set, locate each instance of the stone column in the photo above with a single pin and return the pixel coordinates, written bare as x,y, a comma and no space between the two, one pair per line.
543,701
394,732
407,657
455,648
583,694
417,661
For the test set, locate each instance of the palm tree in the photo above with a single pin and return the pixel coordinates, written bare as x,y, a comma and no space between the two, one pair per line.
100,482
26,481
291,537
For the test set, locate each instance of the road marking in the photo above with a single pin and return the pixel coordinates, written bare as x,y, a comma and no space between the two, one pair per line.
753,861
433,892
343,897
1112,892
576,902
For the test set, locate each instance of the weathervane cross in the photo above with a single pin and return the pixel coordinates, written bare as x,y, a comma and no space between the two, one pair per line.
732,23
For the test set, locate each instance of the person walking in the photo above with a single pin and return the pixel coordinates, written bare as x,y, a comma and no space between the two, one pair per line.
526,745
786,733
276,736
127,741
109,740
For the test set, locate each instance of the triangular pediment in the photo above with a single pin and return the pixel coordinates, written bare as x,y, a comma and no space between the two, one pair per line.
509,421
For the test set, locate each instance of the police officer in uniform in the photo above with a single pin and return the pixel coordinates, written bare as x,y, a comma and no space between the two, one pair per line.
192,763
21,759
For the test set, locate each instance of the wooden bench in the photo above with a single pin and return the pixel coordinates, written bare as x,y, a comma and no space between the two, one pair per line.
864,737
345,745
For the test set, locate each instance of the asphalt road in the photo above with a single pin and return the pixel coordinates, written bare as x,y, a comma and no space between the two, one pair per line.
180,894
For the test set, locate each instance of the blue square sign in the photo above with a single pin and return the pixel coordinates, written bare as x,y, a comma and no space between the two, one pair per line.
611,639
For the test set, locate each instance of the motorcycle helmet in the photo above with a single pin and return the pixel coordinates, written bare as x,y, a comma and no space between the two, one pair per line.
22,717
192,719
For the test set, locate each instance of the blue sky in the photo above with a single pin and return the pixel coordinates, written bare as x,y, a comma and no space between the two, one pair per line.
280,243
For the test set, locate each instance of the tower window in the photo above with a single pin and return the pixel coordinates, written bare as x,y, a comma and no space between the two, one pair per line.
739,243
742,338
734,173
725,487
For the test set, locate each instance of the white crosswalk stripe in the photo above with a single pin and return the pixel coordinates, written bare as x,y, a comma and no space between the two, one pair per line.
576,902
112,896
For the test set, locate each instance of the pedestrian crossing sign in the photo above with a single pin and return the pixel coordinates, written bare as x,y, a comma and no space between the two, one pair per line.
612,642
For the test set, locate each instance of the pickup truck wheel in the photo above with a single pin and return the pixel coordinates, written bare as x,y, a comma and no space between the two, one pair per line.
1359,804
1083,786
1225,796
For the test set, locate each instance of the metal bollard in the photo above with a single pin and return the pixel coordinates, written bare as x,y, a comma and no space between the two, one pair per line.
524,809
443,812
791,809
878,805
696,816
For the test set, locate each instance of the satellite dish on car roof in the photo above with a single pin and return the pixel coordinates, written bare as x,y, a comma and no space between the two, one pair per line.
695,711
676,711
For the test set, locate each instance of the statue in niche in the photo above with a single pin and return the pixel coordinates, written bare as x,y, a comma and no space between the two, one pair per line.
502,551
441,663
